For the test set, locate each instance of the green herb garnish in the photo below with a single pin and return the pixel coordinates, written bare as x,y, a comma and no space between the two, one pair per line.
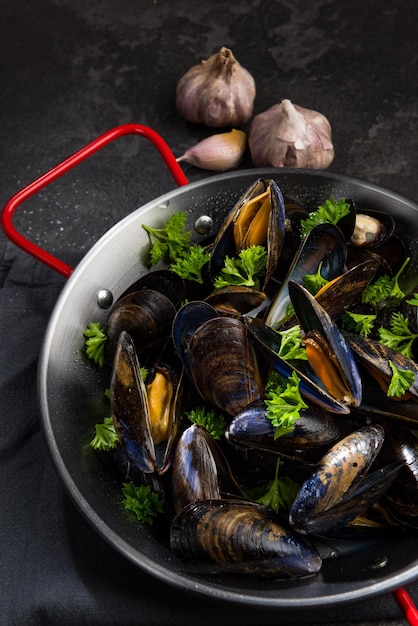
359,323
169,241
189,265
400,382
291,346
247,269
330,212
314,282
105,437
384,287
95,342
399,337
213,422
284,404
142,501
280,492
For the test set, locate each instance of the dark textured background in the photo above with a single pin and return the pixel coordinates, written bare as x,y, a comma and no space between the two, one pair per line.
72,69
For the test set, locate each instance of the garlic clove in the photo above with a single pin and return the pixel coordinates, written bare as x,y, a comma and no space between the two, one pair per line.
219,152
218,92
288,135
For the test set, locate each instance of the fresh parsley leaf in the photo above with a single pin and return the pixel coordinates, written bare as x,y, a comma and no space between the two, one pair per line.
95,342
189,265
213,422
399,337
280,492
330,212
105,437
400,382
413,300
247,269
384,287
379,290
142,501
170,240
314,282
284,405
291,346
359,323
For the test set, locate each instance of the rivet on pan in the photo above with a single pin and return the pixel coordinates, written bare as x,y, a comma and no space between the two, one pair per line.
379,563
203,224
104,298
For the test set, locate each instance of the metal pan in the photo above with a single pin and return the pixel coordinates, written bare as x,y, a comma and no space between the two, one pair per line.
70,391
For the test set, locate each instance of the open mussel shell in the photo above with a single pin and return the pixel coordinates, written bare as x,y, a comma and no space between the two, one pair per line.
338,491
200,470
268,342
339,294
315,432
132,414
324,244
223,364
328,351
372,228
258,218
240,537
129,404
375,357
237,300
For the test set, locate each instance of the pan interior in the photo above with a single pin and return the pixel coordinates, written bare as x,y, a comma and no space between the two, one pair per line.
71,396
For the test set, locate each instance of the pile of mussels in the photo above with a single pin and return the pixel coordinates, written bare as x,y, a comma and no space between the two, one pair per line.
354,451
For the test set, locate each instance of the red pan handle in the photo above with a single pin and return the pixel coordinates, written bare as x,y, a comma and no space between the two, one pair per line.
47,178
407,605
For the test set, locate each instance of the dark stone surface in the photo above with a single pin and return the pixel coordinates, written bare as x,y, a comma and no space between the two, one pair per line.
72,69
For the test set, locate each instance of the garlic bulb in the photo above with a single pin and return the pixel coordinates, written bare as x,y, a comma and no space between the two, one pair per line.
288,135
218,92
219,152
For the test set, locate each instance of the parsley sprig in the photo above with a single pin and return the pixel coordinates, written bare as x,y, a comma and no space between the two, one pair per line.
314,282
359,323
247,269
400,382
142,501
284,402
189,264
280,492
384,287
291,346
95,342
399,337
169,241
105,437
213,422
330,212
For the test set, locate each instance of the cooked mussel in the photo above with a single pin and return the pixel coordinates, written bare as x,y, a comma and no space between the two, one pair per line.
258,218
135,421
240,537
200,470
338,490
328,352
324,245
315,432
219,357
147,315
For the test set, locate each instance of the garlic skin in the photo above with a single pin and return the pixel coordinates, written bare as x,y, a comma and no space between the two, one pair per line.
288,135
218,153
218,92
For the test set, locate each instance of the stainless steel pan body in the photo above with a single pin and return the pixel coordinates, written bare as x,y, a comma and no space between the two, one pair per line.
71,391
